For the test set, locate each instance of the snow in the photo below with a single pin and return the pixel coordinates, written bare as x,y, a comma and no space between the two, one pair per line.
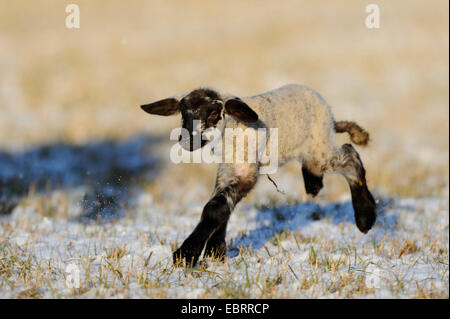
148,232
103,227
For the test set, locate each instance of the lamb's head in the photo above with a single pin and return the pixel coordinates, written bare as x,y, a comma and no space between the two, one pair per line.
201,110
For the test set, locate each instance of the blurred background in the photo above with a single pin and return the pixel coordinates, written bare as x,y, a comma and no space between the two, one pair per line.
77,87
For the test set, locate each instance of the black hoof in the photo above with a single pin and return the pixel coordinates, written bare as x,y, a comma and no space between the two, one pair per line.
185,256
313,183
364,206
216,251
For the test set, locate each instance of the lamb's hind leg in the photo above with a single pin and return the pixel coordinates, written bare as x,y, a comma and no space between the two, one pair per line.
348,163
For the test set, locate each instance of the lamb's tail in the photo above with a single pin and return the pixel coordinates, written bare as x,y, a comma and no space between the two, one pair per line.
358,135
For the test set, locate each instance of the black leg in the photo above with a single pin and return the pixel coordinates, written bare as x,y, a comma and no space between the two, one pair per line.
229,190
364,206
363,202
216,246
313,183
214,214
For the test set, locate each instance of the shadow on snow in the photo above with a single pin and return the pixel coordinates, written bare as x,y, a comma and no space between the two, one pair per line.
107,170
275,220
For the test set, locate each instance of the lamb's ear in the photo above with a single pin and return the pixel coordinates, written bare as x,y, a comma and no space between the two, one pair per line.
164,107
240,110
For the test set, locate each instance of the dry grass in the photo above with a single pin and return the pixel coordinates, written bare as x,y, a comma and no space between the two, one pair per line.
78,86
290,265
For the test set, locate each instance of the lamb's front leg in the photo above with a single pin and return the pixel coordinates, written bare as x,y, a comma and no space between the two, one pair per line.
231,186
216,246
215,213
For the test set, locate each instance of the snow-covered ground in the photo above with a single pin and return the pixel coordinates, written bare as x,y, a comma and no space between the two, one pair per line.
115,239
87,190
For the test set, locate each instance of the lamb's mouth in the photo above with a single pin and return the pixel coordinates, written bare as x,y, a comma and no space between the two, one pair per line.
190,144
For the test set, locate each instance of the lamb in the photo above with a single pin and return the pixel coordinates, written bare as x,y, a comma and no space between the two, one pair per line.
306,133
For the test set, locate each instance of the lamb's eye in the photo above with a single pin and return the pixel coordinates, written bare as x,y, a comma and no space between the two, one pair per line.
213,116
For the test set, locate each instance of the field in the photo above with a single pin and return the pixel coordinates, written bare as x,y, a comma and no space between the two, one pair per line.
87,189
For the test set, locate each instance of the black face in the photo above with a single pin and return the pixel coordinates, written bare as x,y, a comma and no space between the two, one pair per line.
201,109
